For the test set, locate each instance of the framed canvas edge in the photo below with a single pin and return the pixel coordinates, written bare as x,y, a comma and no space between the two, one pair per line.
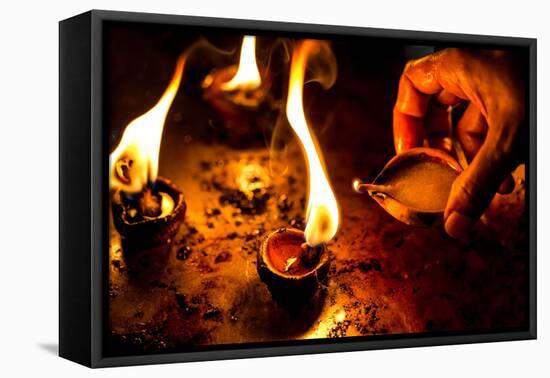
274,351
99,164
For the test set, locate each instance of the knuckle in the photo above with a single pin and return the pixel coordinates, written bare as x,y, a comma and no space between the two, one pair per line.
408,67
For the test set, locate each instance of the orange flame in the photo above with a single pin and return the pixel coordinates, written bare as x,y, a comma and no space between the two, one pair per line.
134,162
247,76
322,214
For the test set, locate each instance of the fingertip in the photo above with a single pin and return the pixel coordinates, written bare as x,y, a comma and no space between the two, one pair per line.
458,226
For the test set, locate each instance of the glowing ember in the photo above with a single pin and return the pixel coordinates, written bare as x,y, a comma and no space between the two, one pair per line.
322,214
247,77
134,162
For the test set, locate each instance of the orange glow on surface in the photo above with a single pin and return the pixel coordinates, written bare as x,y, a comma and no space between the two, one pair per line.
134,162
322,215
247,76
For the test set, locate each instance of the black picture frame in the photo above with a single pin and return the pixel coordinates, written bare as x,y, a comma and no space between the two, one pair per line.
83,162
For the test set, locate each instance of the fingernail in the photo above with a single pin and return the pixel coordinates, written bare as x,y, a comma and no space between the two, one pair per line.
458,225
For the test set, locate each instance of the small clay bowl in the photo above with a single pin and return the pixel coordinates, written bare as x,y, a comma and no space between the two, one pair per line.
426,173
296,287
146,233
240,111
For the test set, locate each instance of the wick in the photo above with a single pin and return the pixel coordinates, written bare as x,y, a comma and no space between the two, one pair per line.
149,204
361,187
311,254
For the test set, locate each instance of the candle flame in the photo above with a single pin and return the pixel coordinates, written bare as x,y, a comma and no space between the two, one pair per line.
322,215
134,162
247,76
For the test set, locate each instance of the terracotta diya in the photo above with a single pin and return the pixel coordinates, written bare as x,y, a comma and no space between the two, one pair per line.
240,94
292,271
414,186
150,218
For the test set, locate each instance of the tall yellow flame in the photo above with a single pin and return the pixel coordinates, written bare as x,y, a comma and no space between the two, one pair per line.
247,76
139,146
322,214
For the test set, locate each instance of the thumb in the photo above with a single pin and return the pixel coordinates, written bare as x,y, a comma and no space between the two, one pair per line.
474,189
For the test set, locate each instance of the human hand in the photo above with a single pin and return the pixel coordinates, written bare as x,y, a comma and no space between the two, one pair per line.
491,84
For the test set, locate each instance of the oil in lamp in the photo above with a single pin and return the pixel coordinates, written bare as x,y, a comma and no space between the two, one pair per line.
238,93
414,186
147,209
295,263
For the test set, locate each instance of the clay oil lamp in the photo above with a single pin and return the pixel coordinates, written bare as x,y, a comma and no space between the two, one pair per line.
414,186
239,93
293,263
292,270
150,218
147,209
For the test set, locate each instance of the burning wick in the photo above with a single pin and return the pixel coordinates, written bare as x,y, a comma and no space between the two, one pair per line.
311,254
149,205
363,187
308,257
357,185
146,204
149,218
